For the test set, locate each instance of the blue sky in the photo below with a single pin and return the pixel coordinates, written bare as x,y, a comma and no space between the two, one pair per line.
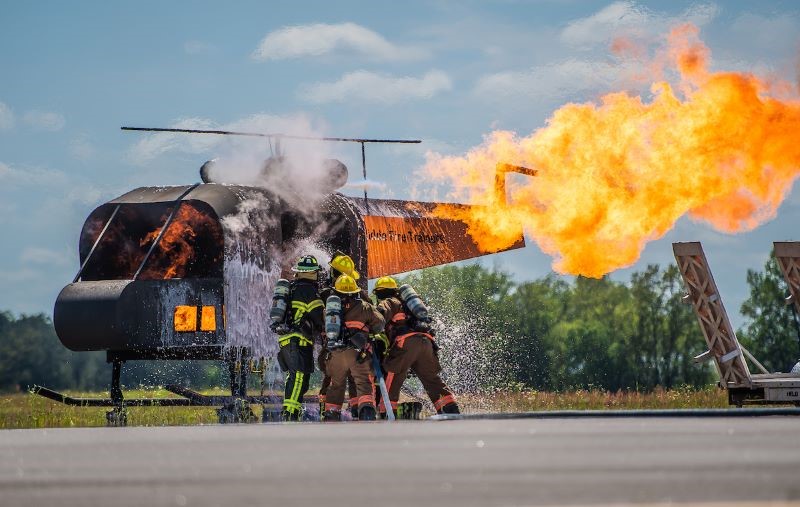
447,72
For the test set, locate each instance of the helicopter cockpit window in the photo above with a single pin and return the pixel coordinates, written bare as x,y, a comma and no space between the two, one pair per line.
191,247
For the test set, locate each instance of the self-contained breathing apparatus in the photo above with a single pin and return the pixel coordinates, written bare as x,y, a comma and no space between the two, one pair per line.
340,336
333,323
281,298
417,318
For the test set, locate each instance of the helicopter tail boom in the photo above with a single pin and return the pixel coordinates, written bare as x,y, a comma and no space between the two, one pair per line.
408,235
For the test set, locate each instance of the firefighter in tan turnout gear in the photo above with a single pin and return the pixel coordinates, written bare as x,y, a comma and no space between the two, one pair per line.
340,264
349,321
412,345
297,318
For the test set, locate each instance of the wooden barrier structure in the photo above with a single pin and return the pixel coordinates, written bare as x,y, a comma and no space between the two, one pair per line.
724,348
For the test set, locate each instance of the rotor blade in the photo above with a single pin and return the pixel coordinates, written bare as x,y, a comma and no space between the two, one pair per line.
278,136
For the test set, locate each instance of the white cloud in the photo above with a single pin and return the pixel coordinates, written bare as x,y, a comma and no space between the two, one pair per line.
557,80
574,78
154,145
196,47
601,25
365,86
39,255
320,39
627,18
31,176
81,148
6,117
20,275
44,120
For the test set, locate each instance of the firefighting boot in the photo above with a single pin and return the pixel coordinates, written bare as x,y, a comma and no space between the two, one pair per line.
366,413
288,415
321,404
411,410
450,408
331,416
270,415
354,412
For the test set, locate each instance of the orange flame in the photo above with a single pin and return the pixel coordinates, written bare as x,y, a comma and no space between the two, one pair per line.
618,174
177,248
191,247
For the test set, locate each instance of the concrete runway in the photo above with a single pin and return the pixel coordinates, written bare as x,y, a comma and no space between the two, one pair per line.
740,461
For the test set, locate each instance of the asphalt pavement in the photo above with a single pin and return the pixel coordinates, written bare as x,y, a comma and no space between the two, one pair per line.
569,461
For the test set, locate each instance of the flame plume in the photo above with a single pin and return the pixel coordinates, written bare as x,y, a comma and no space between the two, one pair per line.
618,174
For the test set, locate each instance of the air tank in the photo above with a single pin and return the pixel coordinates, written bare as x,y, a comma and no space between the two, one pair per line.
280,301
333,322
414,303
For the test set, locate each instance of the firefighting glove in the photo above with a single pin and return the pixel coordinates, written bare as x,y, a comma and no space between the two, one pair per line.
279,328
364,353
381,337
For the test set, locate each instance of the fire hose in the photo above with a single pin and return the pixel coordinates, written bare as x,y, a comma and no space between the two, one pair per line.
376,365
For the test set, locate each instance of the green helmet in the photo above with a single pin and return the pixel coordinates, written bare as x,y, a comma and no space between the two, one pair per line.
306,264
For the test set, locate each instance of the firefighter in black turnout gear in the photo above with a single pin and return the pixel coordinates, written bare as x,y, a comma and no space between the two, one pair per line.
297,326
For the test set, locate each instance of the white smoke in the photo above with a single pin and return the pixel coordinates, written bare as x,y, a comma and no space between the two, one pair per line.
297,170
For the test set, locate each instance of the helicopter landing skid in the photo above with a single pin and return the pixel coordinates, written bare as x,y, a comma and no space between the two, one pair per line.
233,409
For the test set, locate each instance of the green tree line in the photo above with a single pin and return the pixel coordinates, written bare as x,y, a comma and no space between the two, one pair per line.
554,334
546,334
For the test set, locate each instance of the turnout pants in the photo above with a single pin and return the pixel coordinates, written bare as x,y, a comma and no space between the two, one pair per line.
415,351
339,365
326,382
298,363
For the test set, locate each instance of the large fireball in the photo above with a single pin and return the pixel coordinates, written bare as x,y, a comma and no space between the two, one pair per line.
723,148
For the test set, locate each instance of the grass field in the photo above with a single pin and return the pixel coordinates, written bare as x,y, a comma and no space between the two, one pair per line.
22,410
596,400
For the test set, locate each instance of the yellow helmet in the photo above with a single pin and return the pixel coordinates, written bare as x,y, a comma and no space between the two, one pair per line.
346,285
344,264
385,282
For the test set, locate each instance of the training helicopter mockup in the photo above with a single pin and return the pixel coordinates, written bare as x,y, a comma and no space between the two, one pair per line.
185,272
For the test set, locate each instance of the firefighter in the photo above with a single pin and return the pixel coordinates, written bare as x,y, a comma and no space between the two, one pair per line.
412,345
349,349
340,264
303,321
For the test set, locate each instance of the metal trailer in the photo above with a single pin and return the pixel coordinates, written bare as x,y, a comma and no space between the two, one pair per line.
724,349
